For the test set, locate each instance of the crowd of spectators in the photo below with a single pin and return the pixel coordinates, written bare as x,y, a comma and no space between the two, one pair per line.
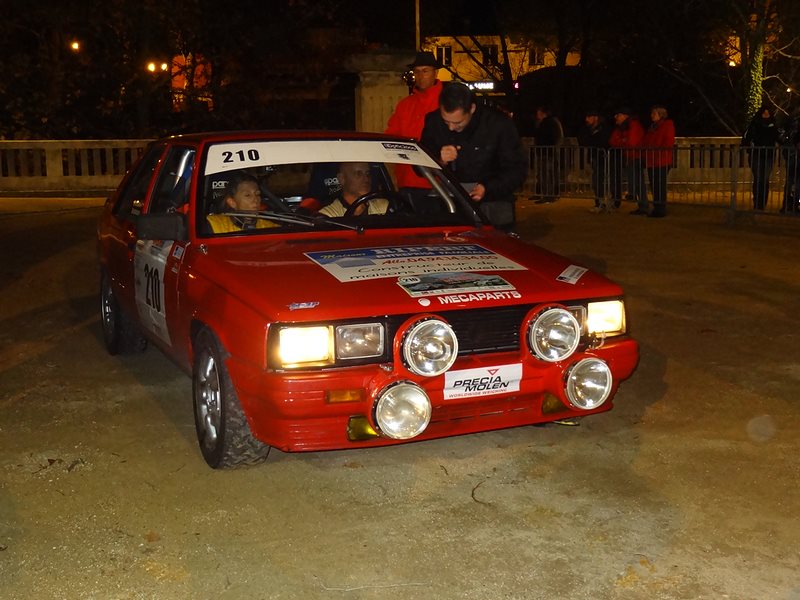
630,159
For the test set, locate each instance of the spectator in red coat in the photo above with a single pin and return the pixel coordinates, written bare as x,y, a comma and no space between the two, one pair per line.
408,118
625,142
659,141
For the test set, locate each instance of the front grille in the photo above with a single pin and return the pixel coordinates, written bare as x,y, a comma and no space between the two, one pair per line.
487,330
479,330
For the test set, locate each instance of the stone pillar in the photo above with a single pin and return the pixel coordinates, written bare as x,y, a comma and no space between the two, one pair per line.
380,86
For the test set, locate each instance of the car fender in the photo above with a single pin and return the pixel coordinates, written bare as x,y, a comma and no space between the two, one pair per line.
233,322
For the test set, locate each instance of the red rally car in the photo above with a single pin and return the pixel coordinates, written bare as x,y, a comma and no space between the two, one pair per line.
317,306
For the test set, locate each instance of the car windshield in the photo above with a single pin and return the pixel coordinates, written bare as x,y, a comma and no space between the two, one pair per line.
267,187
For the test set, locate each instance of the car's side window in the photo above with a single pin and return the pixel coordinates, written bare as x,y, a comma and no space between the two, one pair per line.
172,189
132,198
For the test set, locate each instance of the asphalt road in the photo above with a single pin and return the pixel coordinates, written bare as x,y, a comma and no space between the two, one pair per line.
687,489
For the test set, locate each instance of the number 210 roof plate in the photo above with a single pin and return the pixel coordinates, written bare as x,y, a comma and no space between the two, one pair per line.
238,155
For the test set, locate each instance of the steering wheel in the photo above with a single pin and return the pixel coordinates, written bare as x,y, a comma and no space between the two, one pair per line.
351,210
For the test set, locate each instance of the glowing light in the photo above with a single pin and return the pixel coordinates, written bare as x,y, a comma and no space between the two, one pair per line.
153,66
75,46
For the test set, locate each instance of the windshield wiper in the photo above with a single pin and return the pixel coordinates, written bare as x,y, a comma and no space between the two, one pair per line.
295,219
329,221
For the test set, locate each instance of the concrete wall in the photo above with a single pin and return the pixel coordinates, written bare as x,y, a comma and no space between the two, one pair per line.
380,87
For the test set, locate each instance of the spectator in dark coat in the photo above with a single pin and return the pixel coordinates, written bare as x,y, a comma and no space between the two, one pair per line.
482,148
760,139
549,136
790,149
593,138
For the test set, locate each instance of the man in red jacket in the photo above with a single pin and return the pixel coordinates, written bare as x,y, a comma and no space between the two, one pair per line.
625,142
658,143
408,118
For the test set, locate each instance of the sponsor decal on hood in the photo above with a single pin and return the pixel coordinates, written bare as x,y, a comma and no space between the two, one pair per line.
438,284
404,261
572,274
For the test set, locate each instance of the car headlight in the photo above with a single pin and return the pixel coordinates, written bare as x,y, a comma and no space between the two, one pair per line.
362,340
554,334
321,345
305,346
402,411
588,383
606,318
430,347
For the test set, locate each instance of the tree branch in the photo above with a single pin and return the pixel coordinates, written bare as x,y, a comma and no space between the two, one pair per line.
683,78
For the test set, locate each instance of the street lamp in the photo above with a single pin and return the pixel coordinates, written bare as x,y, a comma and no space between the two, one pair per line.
153,67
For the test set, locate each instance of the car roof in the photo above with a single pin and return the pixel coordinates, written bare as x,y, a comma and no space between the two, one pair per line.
266,135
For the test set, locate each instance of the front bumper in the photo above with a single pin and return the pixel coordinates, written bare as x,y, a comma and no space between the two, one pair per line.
292,411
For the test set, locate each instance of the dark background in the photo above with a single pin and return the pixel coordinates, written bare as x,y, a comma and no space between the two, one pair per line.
284,63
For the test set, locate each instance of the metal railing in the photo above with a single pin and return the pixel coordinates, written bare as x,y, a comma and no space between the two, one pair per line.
717,172
706,171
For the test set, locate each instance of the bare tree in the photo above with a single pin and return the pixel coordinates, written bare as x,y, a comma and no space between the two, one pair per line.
770,52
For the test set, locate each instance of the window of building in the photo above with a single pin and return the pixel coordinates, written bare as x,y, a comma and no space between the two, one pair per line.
535,57
444,54
490,54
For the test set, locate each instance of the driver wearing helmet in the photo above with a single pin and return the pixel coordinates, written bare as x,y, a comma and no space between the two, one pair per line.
356,181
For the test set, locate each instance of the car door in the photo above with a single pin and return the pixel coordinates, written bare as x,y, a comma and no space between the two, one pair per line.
157,263
118,237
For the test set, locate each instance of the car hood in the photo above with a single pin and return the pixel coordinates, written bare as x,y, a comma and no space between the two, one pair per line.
380,273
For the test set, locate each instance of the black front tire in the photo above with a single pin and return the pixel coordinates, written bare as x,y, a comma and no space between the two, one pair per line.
221,425
120,333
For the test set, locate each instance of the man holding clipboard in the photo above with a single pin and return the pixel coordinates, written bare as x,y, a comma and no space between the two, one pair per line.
482,147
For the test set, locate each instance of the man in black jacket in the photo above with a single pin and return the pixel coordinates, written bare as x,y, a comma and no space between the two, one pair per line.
593,140
549,136
482,148
760,140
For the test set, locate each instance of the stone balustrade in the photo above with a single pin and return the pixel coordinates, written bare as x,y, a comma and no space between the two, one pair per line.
65,166
97,166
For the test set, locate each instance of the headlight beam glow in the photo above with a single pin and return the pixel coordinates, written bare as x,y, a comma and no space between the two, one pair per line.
305,346
606,318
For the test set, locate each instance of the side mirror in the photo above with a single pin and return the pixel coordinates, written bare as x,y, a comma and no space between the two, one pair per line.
162,226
